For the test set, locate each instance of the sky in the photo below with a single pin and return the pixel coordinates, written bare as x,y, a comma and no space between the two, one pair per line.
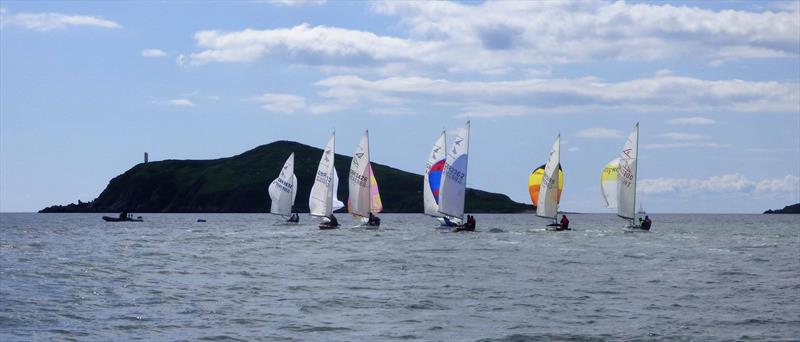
87,87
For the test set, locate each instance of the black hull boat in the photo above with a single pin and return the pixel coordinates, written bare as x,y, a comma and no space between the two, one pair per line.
118,219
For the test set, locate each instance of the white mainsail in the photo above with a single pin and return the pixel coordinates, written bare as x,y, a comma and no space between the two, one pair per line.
548,191
608,183
454,177
359,185
433,177
626,182
283,189
322,201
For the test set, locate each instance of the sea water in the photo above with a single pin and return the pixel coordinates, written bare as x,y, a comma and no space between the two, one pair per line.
241,277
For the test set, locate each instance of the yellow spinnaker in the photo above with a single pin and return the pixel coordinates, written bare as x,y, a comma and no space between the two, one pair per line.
535,182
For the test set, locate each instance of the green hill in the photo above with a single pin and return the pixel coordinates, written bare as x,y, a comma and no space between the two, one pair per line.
238,184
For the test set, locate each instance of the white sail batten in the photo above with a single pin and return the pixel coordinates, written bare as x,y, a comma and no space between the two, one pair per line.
323,192
626,181
433,177
452,190
283,190
360,189
548,193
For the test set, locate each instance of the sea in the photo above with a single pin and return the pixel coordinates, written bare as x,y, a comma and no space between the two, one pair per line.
245,277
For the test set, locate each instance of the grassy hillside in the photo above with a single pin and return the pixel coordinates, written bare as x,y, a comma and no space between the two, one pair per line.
239,184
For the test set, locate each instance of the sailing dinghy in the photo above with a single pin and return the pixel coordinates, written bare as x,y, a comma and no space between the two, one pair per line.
618,180
545,185
453,186
323,202
282,192
365,199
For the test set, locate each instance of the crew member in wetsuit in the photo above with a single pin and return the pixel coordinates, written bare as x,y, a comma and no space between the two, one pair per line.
564,223
123,215
646,223
373,220
470,222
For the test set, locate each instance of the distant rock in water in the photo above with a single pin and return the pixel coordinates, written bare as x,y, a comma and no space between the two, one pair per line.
238,184
789,209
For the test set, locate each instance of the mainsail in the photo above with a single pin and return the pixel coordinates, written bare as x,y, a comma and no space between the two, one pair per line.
453,186
433,177
360,183
283,189
546,185
322,201
626,181
608,183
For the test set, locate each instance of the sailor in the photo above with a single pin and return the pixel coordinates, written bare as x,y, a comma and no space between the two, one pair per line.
646,223
373,220
564,223
332,221
123,215
294,218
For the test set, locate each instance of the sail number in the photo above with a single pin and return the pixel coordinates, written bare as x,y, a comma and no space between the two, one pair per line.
454,174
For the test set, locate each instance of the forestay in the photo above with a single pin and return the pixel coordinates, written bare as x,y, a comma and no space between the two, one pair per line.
454,178
283,190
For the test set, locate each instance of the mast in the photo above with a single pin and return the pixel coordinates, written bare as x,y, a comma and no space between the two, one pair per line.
633,220
466,168
558,174
369,175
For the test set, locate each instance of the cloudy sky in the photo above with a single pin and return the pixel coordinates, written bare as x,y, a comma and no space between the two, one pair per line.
87,87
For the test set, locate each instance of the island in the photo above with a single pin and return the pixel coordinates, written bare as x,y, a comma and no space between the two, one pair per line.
789,209
238,184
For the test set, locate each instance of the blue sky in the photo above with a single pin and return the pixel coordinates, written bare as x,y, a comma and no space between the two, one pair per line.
87,87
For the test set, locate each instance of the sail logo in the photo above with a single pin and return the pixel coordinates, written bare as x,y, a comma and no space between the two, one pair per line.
327,153
627,152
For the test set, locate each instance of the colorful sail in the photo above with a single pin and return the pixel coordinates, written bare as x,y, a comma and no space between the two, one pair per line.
626,181
376,205
360,189
433,176
283,189
608,183
452,190
550,188
323,192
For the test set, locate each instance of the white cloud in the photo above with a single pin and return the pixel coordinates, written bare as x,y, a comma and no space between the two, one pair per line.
293,3
498,37
573,149
52,21
281,103
694,120
180,102
686,145
728,183
599,133
520,97
683,136
153,53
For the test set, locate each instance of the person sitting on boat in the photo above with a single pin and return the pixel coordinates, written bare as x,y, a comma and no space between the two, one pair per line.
123,215
294,218
332,221
470,223
373,220
646,223
564,223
